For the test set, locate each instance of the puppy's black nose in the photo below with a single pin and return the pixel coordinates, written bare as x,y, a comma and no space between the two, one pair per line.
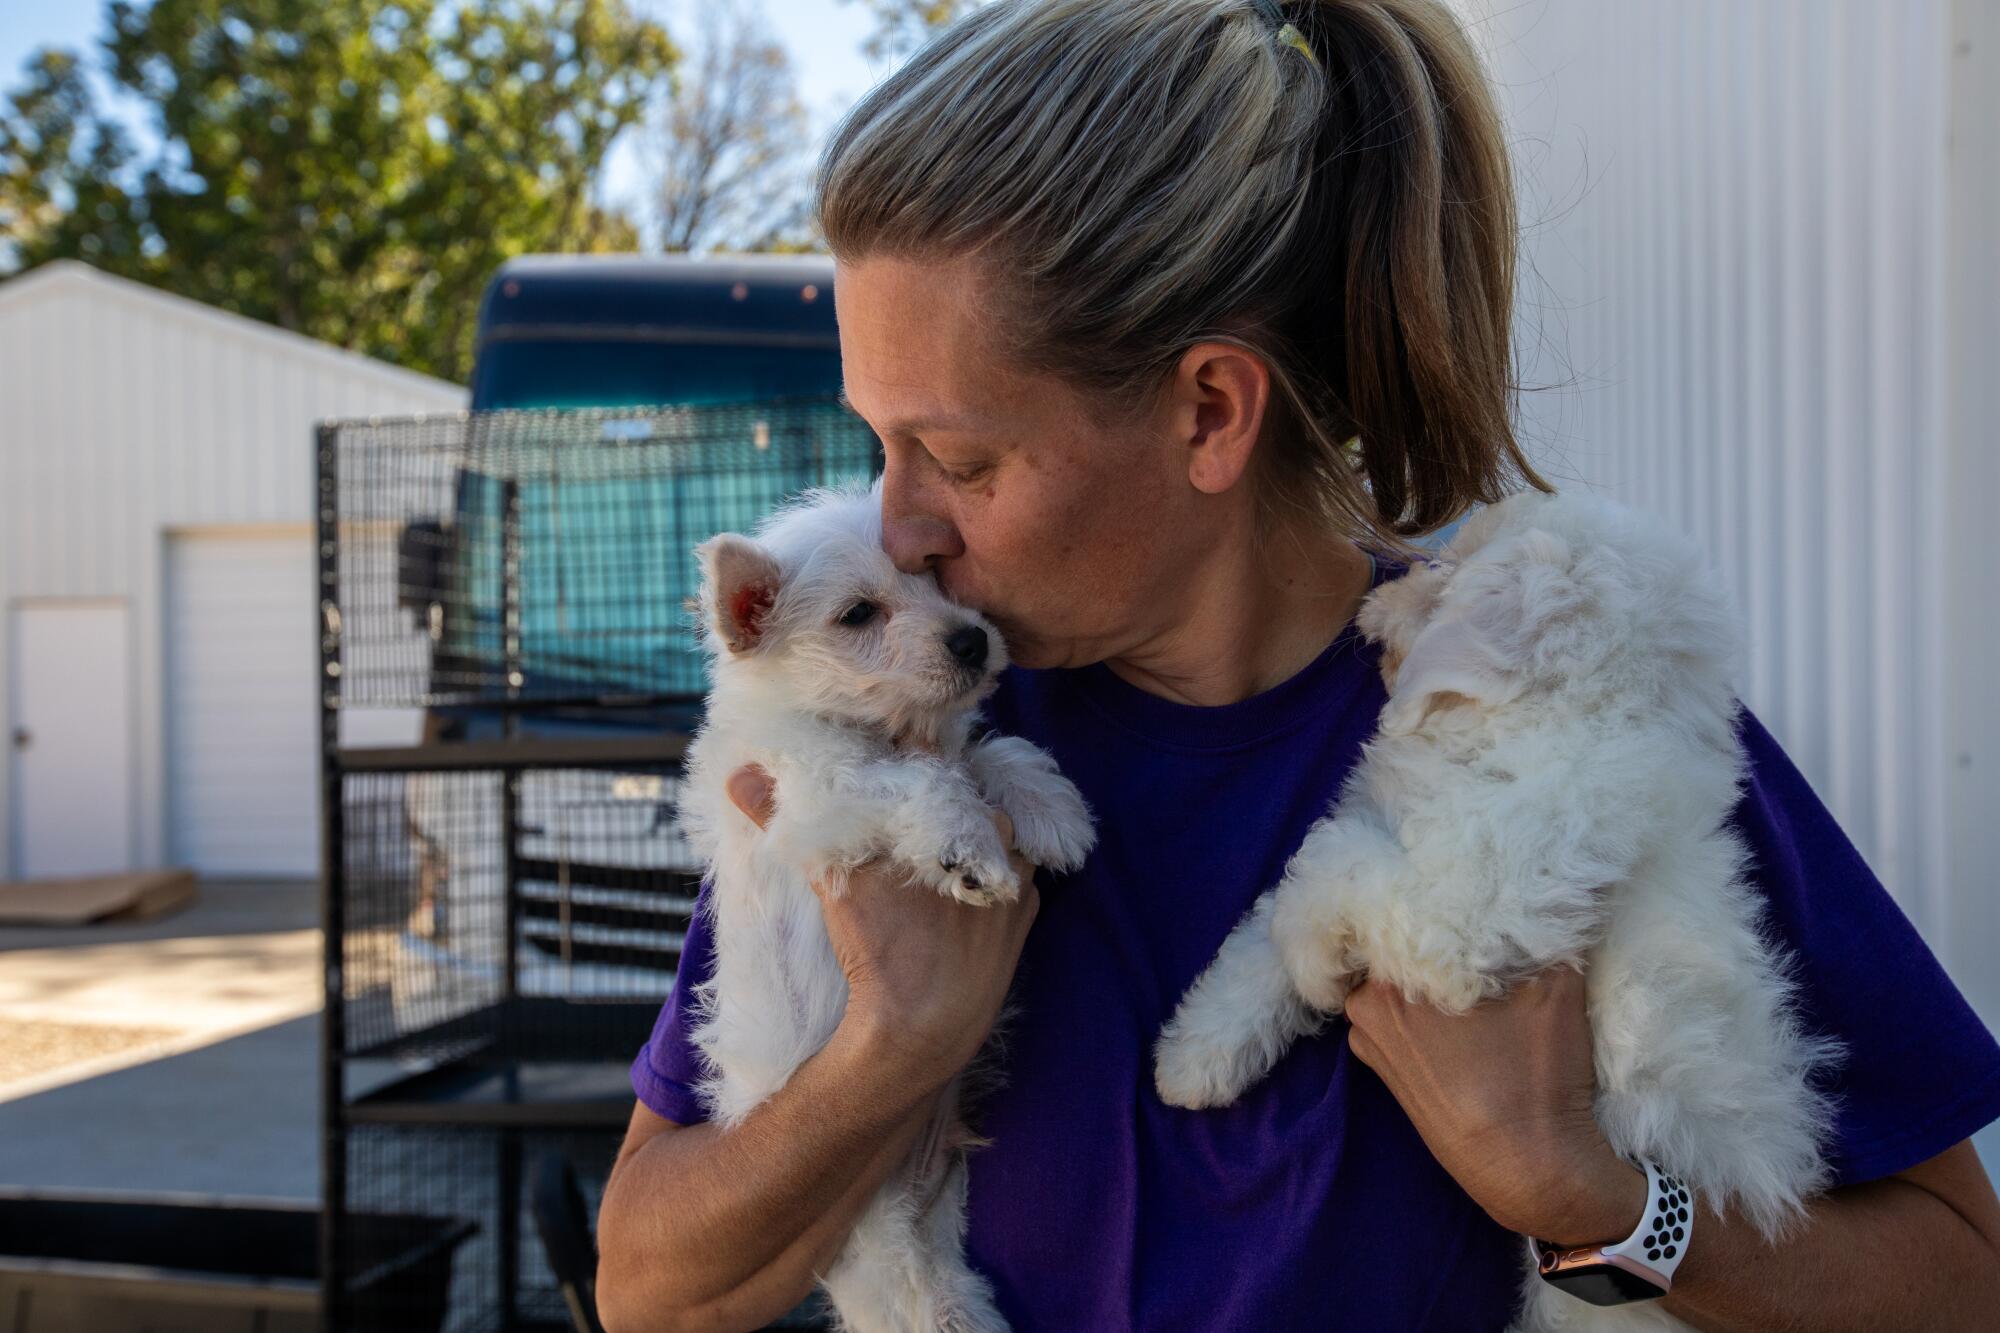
968,645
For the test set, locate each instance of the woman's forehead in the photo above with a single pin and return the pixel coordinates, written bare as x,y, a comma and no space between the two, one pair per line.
917,351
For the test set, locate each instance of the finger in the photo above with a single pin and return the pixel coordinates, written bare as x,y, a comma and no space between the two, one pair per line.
830,882
753,792
838,881
1361,1001
1005,827
1364,1049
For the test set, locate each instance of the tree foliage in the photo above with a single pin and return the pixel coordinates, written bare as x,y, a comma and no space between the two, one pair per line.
351,169
61,168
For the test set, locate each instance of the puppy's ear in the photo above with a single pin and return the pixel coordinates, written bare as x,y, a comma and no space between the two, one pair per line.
739,583
1395,613
1485,641
1451,661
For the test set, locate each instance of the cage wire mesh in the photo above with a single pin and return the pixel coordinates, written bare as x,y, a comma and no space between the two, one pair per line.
456,1172
594,902
507,934
547,556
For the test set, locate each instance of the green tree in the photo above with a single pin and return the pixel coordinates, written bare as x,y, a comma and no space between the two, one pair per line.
351,169
61,168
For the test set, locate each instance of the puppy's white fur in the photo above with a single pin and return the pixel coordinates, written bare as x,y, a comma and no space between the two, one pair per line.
1550,784
865,728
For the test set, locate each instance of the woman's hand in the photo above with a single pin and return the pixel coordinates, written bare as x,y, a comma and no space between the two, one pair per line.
1502,1096
926,974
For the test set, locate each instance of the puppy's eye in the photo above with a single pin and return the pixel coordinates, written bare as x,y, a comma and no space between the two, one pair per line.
858,615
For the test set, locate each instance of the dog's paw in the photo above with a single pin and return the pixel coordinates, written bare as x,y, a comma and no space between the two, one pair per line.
1052,825
1316,947
975,870
1195,1069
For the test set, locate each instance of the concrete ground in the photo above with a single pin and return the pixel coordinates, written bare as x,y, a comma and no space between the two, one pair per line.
174,1054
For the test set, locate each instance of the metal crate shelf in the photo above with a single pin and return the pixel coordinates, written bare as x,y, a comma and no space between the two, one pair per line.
530,1094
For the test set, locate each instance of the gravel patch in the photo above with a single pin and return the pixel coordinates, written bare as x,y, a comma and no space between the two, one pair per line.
32,1047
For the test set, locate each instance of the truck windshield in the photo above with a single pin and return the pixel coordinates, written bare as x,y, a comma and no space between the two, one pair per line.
591,372
567,567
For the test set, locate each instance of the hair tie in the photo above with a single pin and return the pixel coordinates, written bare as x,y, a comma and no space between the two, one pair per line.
1287,32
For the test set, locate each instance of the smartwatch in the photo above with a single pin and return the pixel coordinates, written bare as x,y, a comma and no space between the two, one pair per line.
1638,1268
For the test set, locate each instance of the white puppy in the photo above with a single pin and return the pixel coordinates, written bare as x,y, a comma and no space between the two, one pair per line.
1550,783
855,686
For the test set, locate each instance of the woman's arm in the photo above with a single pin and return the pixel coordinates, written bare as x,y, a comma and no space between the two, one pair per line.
707,1228
704,1227
1502,1096
1920,1249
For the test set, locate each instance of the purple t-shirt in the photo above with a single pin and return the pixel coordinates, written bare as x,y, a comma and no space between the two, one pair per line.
1312,1201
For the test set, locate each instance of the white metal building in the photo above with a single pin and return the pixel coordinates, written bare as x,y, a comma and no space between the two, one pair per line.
158,655
1762,269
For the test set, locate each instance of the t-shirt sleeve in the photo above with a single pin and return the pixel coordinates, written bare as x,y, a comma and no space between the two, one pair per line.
669,1066
1920,1071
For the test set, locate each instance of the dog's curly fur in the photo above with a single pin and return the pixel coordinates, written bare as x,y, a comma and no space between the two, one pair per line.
864,722
1550,784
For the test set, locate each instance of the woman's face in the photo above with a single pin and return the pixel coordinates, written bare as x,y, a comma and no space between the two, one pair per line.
1078,544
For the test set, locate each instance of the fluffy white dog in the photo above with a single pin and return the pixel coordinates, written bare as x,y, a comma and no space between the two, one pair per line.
1550,783
855,686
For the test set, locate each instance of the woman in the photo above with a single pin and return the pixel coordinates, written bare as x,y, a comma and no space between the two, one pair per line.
1176,324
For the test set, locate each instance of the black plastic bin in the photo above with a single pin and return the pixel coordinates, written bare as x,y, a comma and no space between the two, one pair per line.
181,1263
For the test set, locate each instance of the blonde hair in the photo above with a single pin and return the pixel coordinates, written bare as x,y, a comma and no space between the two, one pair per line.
1139,176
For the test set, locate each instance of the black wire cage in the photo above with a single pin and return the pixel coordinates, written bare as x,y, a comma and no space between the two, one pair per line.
544,558
509,673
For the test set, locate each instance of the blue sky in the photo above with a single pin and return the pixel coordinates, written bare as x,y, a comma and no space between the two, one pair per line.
824,37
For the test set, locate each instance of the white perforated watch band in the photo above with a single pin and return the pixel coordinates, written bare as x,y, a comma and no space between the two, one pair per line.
1654,1249
1661,1238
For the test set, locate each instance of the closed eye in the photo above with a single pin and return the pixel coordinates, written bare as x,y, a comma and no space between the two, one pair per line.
858,615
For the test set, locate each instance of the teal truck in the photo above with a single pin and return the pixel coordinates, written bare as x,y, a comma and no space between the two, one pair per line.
667,399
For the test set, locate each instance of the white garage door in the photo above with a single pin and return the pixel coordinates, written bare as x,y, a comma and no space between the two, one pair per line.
242,718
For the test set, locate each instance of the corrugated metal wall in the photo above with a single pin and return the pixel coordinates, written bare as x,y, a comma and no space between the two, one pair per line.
1969,580
125,413
1756,296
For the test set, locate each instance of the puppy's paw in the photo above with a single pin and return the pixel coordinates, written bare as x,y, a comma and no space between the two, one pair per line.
1316,946
1052,825
974,869
980,885
1320,967
1198,1066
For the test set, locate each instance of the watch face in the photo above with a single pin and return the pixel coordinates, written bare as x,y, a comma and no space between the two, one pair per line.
1604,1284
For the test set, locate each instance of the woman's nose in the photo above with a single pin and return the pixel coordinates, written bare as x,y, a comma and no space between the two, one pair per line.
914,534
915,543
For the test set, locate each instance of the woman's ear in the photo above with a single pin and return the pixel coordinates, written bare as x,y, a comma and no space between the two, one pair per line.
1222,395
